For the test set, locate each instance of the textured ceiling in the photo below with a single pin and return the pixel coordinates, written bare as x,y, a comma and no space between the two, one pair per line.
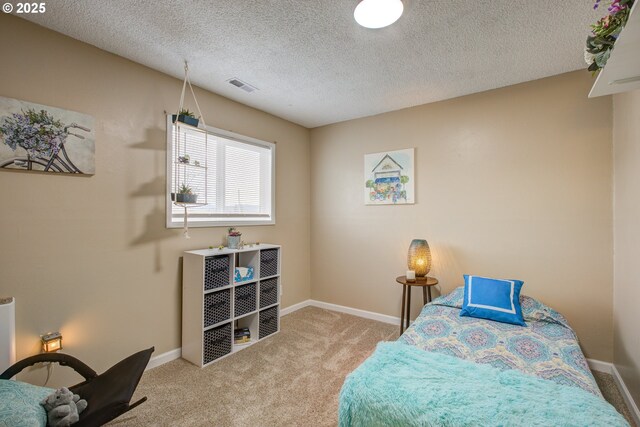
313,64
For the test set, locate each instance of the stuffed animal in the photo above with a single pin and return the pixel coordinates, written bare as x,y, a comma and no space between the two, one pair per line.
63,407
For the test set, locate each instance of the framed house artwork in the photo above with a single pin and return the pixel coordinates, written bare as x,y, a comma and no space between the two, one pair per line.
389,178
40,138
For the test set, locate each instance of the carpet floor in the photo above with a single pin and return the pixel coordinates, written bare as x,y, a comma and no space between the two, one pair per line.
290,379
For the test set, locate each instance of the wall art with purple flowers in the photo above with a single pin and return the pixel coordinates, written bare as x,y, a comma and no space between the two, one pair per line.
40,138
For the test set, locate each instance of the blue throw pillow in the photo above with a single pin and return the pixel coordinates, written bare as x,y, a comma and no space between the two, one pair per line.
493,299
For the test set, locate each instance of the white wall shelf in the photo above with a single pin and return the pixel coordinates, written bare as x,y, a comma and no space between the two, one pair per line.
213,304
622,72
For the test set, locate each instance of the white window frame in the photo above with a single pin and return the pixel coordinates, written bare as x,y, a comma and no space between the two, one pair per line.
227,220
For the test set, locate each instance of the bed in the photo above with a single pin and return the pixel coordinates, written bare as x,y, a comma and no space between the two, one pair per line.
452,370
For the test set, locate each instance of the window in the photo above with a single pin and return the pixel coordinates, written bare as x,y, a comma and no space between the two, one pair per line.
232,174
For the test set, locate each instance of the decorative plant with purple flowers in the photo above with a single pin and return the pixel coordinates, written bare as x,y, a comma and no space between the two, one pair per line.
233,232
36,131
605,32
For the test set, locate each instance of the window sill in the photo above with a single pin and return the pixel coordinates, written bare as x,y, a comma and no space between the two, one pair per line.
226,223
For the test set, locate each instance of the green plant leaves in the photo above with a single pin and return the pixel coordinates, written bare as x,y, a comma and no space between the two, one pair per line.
605,33
602,58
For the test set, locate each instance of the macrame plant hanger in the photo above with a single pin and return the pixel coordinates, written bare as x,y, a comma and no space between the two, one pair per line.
185,233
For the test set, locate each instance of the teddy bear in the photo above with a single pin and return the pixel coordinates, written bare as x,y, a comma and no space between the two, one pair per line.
63,407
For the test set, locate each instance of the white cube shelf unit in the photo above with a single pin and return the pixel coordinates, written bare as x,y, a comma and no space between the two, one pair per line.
214,304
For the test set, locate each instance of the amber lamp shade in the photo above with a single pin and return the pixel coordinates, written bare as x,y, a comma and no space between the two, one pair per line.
419,257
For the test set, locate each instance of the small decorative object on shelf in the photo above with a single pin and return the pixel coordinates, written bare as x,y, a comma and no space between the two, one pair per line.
411,276
605,32
187,117
241,336
184,159
243,274
185,195
233,238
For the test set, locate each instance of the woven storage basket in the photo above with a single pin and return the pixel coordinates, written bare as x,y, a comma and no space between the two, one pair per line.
245,299
268,292
268,262
268,322
216,272
217,343
217,307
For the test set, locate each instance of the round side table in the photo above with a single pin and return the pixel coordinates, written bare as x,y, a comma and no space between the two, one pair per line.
425,283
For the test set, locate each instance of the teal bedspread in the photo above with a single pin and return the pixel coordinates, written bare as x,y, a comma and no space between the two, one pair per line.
402,385
20,404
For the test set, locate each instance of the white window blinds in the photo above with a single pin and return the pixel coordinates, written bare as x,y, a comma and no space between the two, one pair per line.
236,171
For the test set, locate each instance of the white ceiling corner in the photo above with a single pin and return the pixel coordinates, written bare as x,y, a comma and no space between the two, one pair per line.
313,65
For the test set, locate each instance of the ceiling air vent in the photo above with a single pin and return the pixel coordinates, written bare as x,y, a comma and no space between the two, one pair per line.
242,85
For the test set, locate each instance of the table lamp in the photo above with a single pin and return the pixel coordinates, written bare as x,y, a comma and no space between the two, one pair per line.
419,257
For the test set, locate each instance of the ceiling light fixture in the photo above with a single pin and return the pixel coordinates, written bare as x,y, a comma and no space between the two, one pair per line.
378,13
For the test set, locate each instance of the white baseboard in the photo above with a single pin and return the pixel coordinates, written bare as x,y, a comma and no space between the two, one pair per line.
357,312
163,358
631,404
600,366
295,307
342,309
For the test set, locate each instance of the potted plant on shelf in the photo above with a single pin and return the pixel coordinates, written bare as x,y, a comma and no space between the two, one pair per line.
605,33
185,195
187,117
233,238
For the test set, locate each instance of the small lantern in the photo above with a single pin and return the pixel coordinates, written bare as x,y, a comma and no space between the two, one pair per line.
52,342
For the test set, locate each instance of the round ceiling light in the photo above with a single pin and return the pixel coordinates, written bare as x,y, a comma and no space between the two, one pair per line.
378,13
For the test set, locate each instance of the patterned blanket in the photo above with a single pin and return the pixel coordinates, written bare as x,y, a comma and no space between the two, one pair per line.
547,347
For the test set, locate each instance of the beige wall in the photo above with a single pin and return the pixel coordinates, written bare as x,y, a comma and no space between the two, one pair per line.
90,256
514,182
626,288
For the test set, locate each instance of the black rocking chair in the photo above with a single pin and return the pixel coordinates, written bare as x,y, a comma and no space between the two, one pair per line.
108,395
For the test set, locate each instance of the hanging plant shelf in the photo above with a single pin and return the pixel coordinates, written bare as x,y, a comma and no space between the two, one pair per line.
187,120
189,165
189,205
190,156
